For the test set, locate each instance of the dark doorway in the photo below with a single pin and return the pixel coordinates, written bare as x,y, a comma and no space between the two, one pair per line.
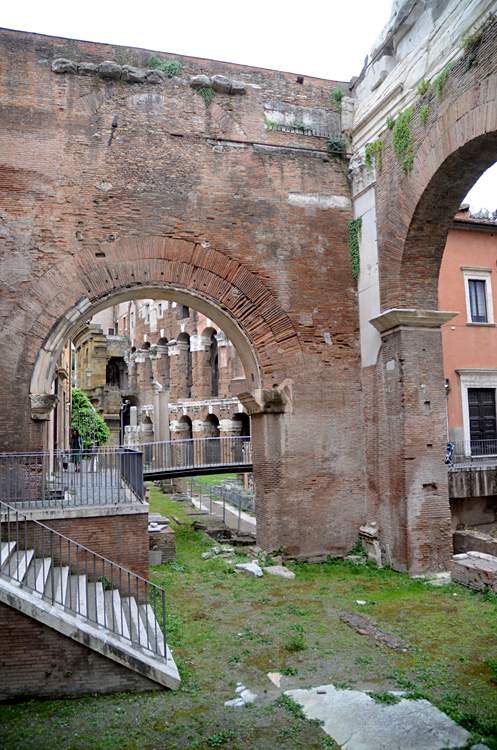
482,420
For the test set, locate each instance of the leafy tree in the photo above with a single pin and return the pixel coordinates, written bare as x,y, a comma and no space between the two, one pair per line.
85,419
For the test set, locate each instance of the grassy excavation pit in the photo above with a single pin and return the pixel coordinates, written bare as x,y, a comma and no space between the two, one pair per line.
228,630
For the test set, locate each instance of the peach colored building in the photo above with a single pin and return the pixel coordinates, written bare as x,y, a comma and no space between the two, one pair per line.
468,285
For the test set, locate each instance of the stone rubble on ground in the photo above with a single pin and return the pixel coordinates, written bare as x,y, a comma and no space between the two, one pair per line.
435,579
279,570
224,551
244,696
251,569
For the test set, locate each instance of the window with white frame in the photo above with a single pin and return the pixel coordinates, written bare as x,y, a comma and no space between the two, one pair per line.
478,289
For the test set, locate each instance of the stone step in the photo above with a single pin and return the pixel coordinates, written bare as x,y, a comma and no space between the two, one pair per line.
38,574
18,564
154,632
118,619
7,549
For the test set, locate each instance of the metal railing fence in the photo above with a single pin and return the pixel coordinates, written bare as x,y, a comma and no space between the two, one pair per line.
101,476
63,572
208,494
475,451
199,453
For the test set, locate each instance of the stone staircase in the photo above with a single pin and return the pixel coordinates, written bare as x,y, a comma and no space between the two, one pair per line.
91,600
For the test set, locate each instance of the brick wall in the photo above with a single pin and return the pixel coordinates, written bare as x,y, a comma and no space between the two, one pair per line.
38,661
250,222
122,539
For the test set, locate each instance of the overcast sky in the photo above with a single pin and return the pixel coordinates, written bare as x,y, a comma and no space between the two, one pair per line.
328,40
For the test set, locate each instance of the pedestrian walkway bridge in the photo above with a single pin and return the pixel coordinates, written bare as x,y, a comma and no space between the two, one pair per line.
107,475
183,458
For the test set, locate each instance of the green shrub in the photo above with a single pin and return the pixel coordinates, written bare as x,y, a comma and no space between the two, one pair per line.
85,419
170,68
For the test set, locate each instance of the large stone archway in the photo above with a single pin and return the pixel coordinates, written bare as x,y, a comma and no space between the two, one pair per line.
208,206
407,219
113,188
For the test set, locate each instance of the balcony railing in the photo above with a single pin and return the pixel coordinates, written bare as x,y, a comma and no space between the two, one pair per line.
101,476
474,452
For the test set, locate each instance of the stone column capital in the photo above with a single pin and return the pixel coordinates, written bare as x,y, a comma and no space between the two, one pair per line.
395,318
42,405
274,400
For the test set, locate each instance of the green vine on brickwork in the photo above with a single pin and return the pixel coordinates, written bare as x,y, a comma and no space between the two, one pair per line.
423,114
439,81
374,151
423,87
337,147
271,124
355,228
336,98
207,93
170,68
390,122
471,42
402,141
299,125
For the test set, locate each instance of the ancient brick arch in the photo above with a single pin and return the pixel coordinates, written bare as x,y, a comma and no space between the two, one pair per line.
405,416
247,311
451,151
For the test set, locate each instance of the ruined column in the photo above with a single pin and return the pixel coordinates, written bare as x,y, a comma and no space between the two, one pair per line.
226,363
201,371
179,370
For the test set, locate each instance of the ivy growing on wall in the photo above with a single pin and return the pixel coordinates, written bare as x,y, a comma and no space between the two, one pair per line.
355,228
207,93
423,114
390,122
402,141
439,81
336,98
299,125
423,87
471,42
374,151
337,147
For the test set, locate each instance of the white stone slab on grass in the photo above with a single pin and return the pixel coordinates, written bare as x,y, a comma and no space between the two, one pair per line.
356,722
279,570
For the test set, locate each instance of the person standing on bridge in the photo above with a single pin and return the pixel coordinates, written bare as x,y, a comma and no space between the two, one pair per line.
77,448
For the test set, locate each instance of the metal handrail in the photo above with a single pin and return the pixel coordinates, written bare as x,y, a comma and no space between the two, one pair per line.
64,572
236,501
474,451
100,476
198,453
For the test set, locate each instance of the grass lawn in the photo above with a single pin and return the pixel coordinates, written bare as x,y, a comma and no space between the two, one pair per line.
226,628
216,478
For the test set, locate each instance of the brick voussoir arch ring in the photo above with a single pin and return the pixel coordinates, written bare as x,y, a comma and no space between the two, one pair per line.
135,267
448,158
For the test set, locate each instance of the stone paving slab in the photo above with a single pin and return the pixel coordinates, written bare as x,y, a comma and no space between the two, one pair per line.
356,722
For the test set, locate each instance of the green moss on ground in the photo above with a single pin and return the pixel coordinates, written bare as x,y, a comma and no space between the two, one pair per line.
226,628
